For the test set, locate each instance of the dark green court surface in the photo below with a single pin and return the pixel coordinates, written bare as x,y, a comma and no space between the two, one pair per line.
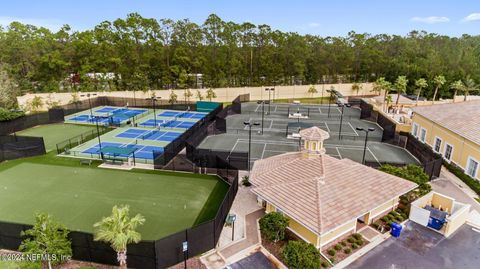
56,133
80,196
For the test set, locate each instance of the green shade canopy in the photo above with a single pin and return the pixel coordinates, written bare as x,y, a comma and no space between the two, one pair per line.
117,150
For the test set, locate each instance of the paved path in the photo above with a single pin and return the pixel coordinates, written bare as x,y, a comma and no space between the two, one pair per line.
251,232
449,185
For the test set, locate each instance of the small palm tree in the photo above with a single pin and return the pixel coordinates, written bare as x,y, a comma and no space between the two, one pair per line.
400,86
388,100
470,86
438,81
211,94
187,94
173,97
456,86
312,90
356,87
421,84
199,95
119,230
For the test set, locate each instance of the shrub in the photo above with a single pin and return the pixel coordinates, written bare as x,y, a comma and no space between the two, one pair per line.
375,225
332,259
337,247
354,246
399,219
6,115
331,252
325,264
360,242
343,243
357,236
347,250
246,182
351,240
273,226
299,254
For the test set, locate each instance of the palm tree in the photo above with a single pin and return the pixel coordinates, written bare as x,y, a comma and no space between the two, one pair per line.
381,84
400,86
388,100
356,87
456,86
438,81
470,86
119,230
312,90
421,84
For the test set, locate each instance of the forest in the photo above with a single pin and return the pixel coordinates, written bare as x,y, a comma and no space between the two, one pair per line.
145,53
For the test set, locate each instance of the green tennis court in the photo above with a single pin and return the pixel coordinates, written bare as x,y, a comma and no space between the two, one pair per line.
81,196
55,133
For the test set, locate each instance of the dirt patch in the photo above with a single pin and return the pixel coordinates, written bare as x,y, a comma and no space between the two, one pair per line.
193,263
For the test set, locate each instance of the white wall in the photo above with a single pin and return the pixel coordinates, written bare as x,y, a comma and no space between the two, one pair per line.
223,94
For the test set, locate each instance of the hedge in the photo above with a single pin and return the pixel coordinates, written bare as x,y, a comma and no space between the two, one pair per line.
6,115
471,182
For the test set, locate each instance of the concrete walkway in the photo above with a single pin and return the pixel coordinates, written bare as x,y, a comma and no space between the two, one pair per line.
452,186
252,235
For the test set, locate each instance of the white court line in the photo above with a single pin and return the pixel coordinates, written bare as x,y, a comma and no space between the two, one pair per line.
338,151
234,146
320,110
275,109
326,125
263,151
256,109
271,124
353,128
375,157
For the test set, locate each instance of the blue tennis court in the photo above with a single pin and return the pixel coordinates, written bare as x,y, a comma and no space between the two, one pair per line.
142,152
149,135
168,123
107,115
185,114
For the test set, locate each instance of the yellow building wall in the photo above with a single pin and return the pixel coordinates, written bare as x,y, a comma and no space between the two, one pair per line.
456,221
339,231
442,201
297,228
382,209
462,148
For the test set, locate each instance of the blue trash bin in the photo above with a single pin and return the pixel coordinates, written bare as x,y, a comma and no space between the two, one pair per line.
396,229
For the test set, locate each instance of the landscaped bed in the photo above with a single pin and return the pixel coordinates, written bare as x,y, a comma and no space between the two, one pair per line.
345,247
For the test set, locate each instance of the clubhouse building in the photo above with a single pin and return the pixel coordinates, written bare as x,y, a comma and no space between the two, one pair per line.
453,131
324,198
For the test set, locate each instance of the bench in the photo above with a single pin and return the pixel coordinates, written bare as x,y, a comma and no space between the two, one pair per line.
86,162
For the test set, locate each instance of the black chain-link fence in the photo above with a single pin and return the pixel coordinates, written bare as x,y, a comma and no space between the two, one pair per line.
160,253
15,147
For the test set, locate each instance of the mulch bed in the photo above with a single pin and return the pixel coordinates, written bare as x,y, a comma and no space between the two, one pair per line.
276,248
193,263
340,254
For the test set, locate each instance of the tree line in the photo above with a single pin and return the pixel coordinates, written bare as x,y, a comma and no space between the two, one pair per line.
144,53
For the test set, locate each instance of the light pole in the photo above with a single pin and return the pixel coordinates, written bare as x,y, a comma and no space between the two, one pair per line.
154,99
269,92
366,139
329,101
250,124
263,102
98,132
341,121
89,102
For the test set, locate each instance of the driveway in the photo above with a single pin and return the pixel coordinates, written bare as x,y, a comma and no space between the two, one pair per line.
421,248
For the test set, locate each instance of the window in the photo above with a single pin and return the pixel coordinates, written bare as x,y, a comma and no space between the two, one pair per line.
448,152
472,167
437,145
415,130
423,134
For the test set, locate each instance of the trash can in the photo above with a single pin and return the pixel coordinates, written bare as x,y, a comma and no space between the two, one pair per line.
396,229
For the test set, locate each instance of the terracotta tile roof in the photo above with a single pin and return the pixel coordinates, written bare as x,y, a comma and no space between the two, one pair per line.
462,118
314,133
323,192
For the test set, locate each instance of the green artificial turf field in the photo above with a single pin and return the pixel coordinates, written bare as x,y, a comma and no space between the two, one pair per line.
56,133
80,196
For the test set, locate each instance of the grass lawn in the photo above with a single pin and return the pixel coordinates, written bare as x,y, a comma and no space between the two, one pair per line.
55,133
79,196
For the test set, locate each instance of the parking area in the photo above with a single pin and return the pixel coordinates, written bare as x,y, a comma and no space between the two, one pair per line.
422,248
